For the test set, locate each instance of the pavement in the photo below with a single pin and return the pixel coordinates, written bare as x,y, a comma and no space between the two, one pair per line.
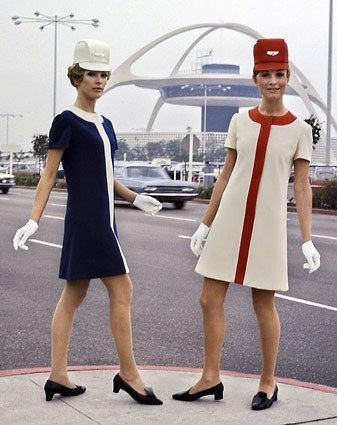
23,402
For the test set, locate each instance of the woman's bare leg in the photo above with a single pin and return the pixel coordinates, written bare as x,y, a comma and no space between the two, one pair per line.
269,324
212,302
72,296
120,295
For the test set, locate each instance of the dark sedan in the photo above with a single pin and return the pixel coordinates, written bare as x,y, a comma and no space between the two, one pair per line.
6,182
152,180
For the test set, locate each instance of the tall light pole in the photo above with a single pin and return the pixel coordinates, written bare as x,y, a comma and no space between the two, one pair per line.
205,54
46,20
8,116
328,106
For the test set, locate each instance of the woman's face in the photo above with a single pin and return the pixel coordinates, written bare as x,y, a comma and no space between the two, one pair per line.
93,84
272,84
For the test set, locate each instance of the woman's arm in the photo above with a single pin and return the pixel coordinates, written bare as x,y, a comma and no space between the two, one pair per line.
219,187
303,196
124,192
46,183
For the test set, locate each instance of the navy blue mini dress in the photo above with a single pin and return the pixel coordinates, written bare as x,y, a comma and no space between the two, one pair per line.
90,244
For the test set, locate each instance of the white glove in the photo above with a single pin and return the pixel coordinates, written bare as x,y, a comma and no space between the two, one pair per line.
312,256
23,234
148,204
198,238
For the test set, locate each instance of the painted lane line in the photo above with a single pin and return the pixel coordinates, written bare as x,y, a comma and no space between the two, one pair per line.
54,217
299,300
184,237
63,197
169,217
54,245
57,205
3,199
324,237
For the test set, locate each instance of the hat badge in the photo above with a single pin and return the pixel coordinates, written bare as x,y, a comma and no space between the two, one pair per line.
272,52
100,55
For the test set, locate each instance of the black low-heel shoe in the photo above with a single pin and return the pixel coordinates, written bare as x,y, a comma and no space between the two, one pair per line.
51,388
217,391
261,401
149,398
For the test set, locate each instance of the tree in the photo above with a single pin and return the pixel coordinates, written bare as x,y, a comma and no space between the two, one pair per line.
123,148
40,147
316,129
155,149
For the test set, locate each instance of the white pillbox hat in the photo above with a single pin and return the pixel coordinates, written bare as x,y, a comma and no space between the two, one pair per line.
93,55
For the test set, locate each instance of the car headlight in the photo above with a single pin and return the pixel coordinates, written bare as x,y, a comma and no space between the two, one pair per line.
188,189
150,189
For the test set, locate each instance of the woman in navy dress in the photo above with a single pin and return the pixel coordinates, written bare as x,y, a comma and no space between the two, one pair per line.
81,138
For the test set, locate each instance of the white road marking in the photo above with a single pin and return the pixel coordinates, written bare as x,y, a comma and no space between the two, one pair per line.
184,237
54,245
4,199
169,217
324,237
59,196
54,216
57,205
299,300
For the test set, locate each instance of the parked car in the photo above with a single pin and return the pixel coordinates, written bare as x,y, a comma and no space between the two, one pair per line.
6,182
321,174
148,179
26,168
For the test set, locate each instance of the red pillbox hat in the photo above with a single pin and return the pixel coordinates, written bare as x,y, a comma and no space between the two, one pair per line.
270,53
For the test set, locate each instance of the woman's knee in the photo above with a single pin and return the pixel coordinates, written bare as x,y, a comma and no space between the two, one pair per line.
74,292
120,290
263,302
208,303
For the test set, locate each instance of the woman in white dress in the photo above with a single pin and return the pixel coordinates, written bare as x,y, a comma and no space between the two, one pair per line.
245,222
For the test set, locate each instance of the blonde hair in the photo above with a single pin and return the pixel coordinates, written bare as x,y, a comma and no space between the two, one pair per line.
76,74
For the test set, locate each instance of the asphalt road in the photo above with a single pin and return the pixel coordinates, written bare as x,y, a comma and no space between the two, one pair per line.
166,315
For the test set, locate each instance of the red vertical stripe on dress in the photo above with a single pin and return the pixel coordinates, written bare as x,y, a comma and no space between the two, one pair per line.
248,223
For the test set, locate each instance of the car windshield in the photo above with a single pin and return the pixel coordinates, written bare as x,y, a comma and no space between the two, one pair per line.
136,172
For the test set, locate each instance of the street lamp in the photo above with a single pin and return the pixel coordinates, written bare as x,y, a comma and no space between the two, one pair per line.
8,116
328,105
46,20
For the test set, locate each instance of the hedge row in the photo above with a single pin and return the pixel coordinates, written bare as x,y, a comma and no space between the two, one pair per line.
34,180
324,197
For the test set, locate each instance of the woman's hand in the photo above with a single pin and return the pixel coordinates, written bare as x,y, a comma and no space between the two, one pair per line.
198,238
147,204
23,234
312,256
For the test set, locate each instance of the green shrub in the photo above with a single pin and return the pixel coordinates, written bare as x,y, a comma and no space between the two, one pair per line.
328,195
205,192
316,198
61,184
27,180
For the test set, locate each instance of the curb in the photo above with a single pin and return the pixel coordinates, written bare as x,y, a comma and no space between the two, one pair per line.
229,373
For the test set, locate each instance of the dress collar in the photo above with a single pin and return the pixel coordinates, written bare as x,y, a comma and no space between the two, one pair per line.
87,116
255,115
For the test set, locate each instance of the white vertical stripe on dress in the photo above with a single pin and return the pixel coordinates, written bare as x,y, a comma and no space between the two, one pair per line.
110,181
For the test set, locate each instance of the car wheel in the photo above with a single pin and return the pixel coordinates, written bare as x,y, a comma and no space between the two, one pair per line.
179,204
5,190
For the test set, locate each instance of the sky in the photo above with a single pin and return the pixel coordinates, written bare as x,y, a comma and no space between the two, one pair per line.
27,53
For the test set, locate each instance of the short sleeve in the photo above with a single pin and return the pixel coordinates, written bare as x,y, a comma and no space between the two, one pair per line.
231,134
60,133
304,145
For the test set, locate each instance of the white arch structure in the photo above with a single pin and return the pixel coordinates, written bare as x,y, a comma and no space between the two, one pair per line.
123,75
